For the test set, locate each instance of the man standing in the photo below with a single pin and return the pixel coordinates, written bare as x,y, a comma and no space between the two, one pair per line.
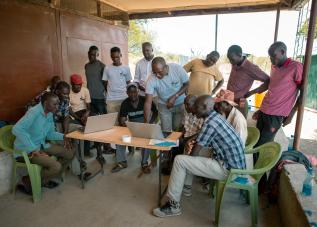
143,67
227,149
242,76
33,130
203,75
116,77
94,70
169,82
279,104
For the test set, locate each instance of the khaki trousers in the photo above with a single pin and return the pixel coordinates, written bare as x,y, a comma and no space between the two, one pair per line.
53,168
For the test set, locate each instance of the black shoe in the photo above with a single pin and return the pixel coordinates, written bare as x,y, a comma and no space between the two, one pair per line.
51,184
22,188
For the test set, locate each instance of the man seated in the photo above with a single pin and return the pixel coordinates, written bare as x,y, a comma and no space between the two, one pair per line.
132,109
32,132
191,124
227,153
225,105
80,105
50,88
61,116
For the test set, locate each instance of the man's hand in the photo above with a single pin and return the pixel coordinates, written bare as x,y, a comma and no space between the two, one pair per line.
68,143
83,119
189,146
37,154
255,116
170,101
287,120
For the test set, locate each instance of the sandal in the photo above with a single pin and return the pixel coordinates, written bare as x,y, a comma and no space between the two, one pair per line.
146,169
119,166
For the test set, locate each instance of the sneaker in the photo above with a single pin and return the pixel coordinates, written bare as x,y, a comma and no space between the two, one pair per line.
169,209
51,184
187,190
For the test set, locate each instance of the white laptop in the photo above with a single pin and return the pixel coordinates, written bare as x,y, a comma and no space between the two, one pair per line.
100,122
147,131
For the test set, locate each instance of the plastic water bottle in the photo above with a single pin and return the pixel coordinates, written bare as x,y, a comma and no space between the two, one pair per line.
290,143
308,183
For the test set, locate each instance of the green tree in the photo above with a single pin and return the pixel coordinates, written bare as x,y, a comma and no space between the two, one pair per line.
304,29
139,33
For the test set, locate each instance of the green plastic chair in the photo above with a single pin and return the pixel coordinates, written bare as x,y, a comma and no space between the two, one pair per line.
269,154
252,139
6,143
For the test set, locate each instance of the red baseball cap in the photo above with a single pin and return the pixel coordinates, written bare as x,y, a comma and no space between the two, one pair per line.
76,79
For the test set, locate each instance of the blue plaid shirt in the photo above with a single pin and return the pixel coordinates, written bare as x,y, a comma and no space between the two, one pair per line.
63,111
226,143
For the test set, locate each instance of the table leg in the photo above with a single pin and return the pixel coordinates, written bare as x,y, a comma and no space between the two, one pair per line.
160,178
100,158
81,165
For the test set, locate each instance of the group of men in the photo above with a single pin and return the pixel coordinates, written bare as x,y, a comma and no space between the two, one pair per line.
182,103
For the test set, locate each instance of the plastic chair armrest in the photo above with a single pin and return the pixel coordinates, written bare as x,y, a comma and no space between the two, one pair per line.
248,171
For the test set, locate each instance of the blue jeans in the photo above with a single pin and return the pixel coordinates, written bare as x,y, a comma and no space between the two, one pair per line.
121,154
98,106
171,119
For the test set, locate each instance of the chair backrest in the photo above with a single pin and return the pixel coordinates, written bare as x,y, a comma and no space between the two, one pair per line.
269,154
253,137
7,138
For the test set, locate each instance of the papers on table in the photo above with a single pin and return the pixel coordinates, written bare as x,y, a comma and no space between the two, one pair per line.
163,143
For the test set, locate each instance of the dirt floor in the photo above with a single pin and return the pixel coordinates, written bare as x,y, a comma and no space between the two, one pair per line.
122,199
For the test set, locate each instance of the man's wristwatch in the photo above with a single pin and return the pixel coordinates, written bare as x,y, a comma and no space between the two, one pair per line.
176,95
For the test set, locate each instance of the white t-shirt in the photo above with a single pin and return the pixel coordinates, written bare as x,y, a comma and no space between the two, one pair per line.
239,123
143,69
78,101
117,77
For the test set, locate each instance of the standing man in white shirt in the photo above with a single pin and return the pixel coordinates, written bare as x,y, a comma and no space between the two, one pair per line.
143,68
116,77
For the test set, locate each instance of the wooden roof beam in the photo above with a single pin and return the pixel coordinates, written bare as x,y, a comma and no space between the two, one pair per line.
241,9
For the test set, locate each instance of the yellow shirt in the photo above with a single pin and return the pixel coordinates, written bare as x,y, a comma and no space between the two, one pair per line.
201,80
78,101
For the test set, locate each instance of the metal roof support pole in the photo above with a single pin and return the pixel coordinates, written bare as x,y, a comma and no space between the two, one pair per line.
307,61
98,6
277,22
216,32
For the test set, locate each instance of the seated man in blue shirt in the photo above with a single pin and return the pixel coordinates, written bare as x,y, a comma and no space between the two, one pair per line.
32,132
227,153
132,109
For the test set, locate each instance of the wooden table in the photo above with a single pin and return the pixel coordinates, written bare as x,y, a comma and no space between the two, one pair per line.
114,136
